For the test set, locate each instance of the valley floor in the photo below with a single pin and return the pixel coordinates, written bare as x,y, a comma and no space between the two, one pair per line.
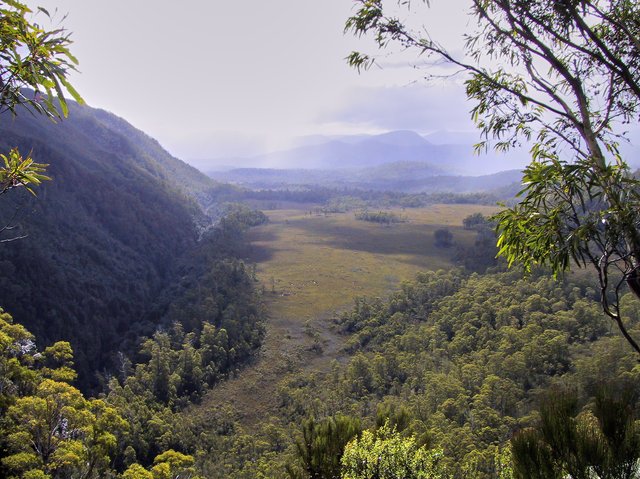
311,267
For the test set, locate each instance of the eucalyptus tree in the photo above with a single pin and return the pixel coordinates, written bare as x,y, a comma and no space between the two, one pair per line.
34,65
562,75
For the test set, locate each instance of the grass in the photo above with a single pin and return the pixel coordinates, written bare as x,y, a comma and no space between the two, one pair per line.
310,268
316,264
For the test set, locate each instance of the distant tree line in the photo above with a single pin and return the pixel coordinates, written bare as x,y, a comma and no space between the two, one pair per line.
343,199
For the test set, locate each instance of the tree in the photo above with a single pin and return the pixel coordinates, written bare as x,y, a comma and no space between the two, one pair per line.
475,221
321,447
34,64
173,465
563,74
443,238
385,454
60,433
567,443
47,428
17,347
168,465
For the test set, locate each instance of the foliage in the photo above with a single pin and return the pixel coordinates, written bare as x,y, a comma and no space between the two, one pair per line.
482,255
218,328
599,442
36,59
321,447
17,347
385,454
48,428
464,359
443,238
243,215
564,75
34,64
452,362
136,471
18,171
173,465
476,221
60,432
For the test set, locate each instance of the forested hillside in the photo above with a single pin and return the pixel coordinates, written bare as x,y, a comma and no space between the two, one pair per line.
444,372
103,240
50,429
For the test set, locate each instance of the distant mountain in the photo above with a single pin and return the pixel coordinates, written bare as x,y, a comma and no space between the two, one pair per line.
401,138
406,177
103,238
311,140
366,151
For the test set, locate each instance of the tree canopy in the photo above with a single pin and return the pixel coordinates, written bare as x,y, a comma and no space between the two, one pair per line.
34,64
562,75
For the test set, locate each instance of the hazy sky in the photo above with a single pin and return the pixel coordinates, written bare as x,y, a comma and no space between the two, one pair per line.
213,78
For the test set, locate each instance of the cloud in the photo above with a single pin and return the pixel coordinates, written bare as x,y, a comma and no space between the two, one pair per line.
422,108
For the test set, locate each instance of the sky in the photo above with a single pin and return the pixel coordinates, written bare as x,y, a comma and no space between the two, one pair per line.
212,78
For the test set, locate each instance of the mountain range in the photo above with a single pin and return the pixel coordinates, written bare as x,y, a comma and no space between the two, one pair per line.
404,177
366,151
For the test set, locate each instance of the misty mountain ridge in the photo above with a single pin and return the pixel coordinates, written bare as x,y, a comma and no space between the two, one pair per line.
404,177
449,152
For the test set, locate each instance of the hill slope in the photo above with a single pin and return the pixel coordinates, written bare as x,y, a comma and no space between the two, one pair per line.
102,238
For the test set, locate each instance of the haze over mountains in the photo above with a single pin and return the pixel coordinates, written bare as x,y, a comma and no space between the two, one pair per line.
395,161
404,177
449,152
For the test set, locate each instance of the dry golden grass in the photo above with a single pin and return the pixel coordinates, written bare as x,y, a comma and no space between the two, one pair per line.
316,264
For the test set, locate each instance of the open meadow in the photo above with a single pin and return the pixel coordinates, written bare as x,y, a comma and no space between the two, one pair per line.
314,264
311,266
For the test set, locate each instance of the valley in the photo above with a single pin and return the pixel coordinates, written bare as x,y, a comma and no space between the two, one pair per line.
310,267
221,323
428,271
269,313
370,321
